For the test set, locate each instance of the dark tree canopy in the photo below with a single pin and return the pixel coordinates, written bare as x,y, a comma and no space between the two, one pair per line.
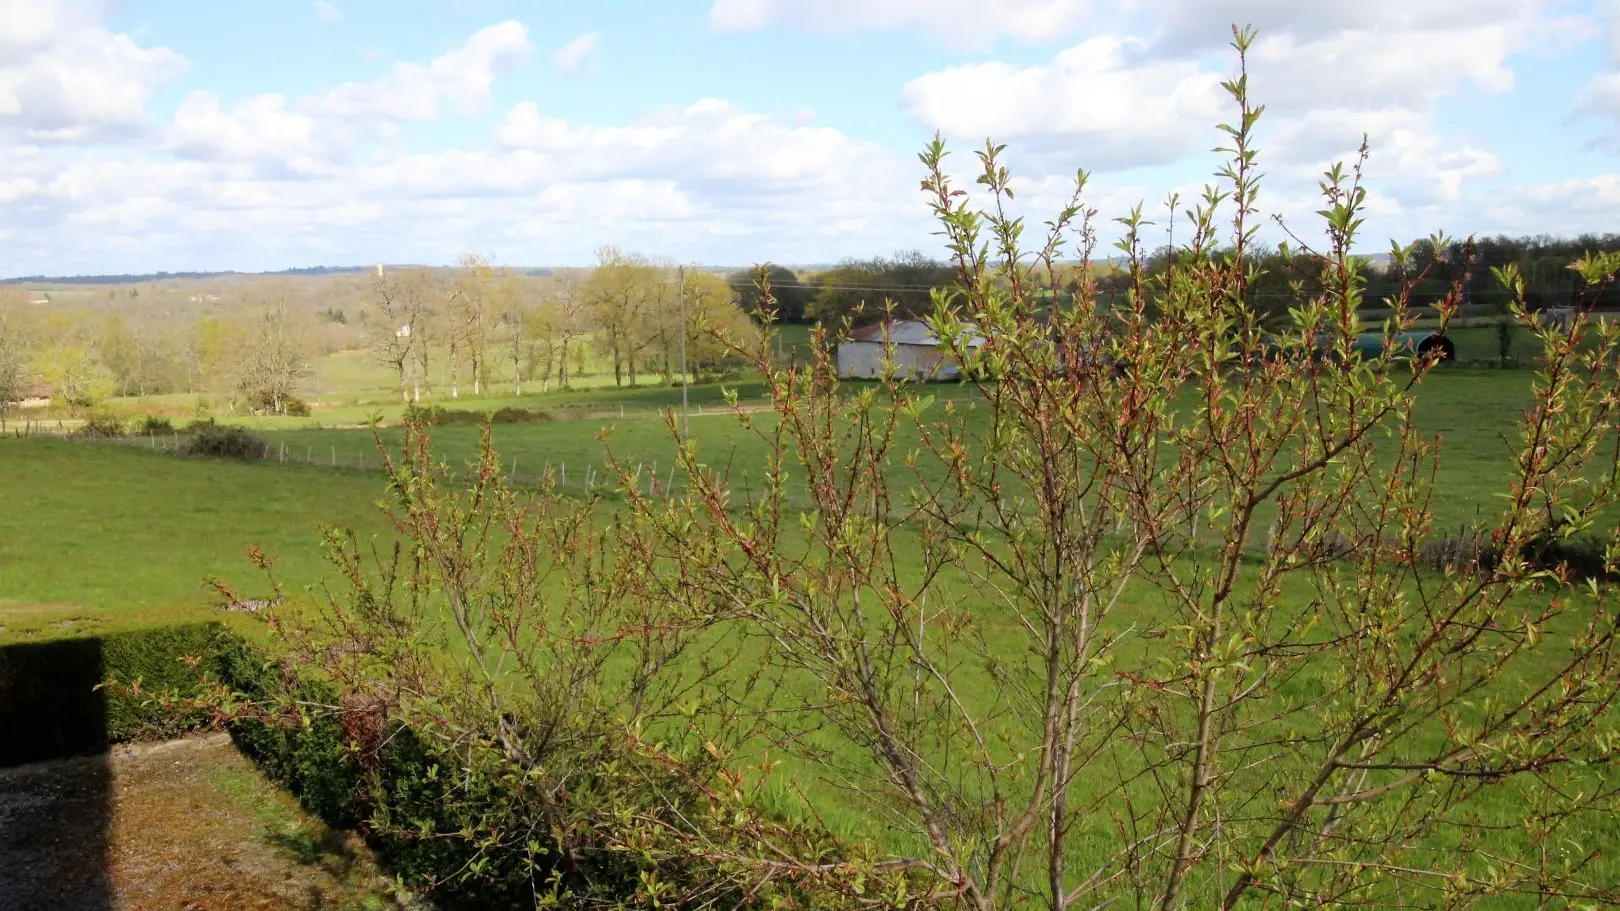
792,296
857,289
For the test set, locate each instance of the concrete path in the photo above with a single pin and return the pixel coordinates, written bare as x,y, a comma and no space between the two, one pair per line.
189,824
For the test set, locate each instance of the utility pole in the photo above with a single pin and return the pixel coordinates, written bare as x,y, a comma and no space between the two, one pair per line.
686,430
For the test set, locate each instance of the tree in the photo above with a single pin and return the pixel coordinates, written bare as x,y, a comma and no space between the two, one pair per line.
1158,622
564,313
273,357
396,318
75,377
528,339
141,359
717,328
1159,629
790,296
619,290
857,287
14,360
209,352
469,316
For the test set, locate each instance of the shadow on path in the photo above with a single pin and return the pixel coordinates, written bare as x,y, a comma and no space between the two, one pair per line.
55,817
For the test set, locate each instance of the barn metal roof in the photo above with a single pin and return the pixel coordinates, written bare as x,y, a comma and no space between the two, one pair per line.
902,332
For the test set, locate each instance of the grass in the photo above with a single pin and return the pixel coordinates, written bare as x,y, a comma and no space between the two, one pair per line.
95,538
120,536
1475,412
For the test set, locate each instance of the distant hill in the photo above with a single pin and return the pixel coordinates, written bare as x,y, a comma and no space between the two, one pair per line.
129,279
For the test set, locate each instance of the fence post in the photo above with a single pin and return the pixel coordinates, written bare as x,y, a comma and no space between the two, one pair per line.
334,455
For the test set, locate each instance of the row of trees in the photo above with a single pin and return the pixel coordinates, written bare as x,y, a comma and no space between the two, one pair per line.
630,310
256,355
851,288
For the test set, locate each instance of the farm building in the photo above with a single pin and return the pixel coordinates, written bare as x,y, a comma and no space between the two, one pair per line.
917,352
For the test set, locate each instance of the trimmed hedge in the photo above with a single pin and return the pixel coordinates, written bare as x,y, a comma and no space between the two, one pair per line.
401,783
53,704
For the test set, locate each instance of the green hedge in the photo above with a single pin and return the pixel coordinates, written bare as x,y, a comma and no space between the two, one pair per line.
52,703
402,784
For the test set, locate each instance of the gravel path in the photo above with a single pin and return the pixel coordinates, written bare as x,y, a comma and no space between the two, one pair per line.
189,824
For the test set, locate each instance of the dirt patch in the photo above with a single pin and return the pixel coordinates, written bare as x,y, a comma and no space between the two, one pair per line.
189,824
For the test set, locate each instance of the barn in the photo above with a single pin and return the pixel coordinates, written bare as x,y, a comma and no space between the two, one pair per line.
918,354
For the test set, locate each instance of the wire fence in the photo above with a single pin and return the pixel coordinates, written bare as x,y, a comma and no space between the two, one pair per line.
648,477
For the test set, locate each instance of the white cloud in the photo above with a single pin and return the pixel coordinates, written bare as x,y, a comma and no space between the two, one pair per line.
576,54
64,78
316,133
327,10
959,22
459,79
1103,108
259,128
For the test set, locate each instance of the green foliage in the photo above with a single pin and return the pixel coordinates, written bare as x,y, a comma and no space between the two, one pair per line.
789,296
435,415
103,425
295,407
858,290
155,425
76,696
75,377
221,441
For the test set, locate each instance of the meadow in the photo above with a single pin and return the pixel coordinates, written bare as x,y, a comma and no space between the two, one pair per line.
108,534
101,537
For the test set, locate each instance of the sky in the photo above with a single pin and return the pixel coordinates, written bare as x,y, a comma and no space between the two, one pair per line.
200,135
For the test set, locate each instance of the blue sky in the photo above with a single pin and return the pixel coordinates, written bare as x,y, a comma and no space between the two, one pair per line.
145,135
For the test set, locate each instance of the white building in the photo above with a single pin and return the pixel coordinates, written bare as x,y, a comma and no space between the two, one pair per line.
918,353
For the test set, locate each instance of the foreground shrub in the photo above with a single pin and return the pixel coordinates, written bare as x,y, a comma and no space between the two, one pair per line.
1046,644
219,441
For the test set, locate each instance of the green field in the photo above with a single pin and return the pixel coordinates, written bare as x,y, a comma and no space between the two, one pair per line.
117,534
96,538
106,536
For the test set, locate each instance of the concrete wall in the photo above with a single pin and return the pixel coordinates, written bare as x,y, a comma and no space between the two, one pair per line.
864,360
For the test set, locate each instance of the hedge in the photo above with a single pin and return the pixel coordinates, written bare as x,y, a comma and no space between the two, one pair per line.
53,704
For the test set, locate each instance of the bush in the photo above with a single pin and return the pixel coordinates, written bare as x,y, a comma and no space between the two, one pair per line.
153,425
102,425
217,441
434,415
1473,551
295,408
512,415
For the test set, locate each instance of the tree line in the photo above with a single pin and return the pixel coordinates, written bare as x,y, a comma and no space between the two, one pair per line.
443,330
630,311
